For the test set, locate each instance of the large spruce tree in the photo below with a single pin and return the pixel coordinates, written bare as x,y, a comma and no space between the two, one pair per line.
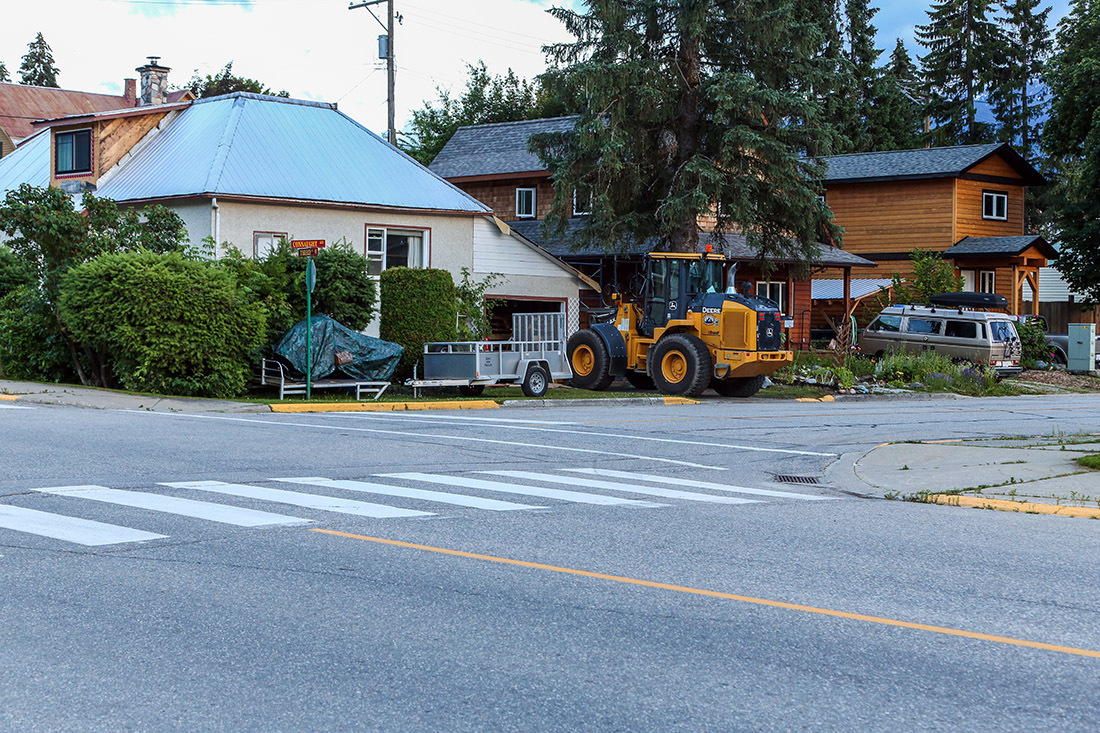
38,68
897,117
693,103
1018,96
1071,140
963,44
867,87
4,76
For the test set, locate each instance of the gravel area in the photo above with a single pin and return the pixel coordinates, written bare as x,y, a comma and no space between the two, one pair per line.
1060,379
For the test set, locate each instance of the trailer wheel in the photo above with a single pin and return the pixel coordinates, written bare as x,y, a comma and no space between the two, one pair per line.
681,365
536,382
589,360
471,390
738,386
639,380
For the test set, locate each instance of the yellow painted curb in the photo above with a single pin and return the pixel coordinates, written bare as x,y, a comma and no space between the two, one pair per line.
1004,505
680,401
381,406
825,398
9,397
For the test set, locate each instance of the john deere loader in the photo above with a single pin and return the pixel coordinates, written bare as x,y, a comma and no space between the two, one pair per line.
684,330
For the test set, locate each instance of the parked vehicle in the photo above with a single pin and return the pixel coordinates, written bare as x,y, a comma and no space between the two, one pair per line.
682,332
1059,341
978,336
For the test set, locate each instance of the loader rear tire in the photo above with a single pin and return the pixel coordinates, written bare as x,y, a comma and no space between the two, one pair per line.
680,364
589,360
738,386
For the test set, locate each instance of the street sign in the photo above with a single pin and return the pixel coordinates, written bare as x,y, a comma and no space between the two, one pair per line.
307,252
307,243
311,275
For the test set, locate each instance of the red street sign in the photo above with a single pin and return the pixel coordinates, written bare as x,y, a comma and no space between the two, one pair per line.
307,244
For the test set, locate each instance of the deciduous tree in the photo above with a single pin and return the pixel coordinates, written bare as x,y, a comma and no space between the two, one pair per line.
226,82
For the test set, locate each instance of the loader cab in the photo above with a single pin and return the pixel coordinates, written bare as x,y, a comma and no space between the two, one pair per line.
673,283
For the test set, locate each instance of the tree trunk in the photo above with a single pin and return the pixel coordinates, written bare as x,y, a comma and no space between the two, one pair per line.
684,236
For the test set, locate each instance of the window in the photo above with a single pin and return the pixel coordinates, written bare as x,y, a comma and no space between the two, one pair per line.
1002,331
923,325
994,205
388,248
968,280
263,243
776,291
582,203
891,324
525,203
73,152
961,329
987,281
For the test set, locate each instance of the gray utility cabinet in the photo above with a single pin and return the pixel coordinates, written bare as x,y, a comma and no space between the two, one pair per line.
1081,356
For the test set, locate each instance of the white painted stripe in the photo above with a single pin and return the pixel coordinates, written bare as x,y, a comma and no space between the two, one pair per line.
475,483
6,406
475,502
310,501
465,439
620,436
69,529
696,484
631,488
174,505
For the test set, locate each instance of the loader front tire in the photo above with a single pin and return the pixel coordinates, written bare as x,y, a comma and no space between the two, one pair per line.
589,360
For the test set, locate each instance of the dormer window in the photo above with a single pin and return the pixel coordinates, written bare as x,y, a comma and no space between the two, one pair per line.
525,203
73,152
995,205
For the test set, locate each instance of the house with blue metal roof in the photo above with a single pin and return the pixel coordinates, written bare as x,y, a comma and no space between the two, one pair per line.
248,170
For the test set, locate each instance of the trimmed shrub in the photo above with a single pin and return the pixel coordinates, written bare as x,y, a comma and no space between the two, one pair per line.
1036,345
31,344
164,324
418,306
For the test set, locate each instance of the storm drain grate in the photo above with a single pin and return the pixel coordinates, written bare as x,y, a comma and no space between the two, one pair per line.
784,479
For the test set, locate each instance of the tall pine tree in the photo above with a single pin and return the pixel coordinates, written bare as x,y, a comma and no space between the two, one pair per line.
863,58
1018,95
962,43
38,68
693,102
4,72
1071,141
897,117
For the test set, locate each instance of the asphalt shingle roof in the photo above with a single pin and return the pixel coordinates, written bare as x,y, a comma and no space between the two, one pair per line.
977,246
922,163
499,148
732,244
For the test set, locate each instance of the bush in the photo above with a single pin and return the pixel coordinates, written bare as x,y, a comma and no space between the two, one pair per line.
344,289
418,306
14,272
31,344
1036,345
164,324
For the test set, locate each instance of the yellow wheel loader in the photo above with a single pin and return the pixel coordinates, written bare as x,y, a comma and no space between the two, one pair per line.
684,330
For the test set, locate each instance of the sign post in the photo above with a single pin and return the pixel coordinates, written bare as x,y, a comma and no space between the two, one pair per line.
311,281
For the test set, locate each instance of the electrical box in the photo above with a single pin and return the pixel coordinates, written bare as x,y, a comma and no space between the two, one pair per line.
383,47
1082,347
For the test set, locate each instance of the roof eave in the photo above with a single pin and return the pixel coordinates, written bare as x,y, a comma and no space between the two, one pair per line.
315,203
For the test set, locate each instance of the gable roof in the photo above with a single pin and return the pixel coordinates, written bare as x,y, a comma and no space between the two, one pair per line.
979,246
495,149
21,105
894,165
28,163
256,146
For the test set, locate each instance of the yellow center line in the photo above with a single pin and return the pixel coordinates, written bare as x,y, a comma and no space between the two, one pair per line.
727,596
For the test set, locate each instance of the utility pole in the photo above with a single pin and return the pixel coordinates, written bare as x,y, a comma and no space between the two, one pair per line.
391,133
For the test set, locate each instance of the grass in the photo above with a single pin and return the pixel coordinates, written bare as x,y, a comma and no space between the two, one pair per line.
1090,461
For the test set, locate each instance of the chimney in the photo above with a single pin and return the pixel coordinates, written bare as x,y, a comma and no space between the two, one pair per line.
154,82
129,94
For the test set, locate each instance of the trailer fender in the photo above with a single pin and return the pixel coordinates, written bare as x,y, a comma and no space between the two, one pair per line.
616,347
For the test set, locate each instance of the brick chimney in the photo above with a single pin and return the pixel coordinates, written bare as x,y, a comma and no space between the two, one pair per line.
129,94
154,82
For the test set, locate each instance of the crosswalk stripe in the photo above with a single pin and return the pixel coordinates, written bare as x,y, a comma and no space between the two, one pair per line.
696,484
474,483
310,501
475,502
631,488
69,529
174,505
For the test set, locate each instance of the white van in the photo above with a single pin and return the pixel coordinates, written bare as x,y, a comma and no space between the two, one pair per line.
980,337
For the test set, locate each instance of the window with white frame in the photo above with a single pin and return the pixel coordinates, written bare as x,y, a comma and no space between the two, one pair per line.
987,281
525,203
773,290
582,202
264,243
995,205
388,248
968,280
73,152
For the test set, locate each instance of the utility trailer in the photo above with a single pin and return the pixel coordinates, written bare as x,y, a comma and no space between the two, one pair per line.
533,358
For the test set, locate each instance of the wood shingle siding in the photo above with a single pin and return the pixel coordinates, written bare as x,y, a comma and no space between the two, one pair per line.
969,221
893,217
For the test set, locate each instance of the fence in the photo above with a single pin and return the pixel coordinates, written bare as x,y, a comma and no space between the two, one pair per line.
1060,315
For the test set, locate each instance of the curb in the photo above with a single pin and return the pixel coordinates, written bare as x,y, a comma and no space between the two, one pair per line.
385,406
1004,505
9,397
602,402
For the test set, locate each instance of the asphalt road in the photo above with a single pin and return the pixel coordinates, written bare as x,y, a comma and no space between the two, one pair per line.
679,587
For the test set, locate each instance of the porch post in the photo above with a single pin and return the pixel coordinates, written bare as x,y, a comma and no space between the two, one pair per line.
847,291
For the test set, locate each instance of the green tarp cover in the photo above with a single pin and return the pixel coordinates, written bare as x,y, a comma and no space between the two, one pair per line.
371,359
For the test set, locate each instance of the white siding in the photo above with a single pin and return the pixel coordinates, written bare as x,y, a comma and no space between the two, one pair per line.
1052,288
495,251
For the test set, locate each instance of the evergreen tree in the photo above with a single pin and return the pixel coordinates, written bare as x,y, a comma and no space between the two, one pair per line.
38,68
868,87
691,103
4,72
897,118
1071,140
962,45
1017,96
838,91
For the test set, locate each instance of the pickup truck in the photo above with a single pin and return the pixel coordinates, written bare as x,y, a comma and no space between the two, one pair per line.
1060,341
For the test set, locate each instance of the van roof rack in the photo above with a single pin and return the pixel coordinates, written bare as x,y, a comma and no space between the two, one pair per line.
969,300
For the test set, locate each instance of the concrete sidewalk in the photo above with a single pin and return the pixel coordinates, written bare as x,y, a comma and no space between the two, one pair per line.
108,399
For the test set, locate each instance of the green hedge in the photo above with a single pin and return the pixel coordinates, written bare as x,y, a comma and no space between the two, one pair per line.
418,306
344,289
14,272
31,344
164,324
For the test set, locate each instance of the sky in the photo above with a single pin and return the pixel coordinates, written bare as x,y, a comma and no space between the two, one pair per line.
318,49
